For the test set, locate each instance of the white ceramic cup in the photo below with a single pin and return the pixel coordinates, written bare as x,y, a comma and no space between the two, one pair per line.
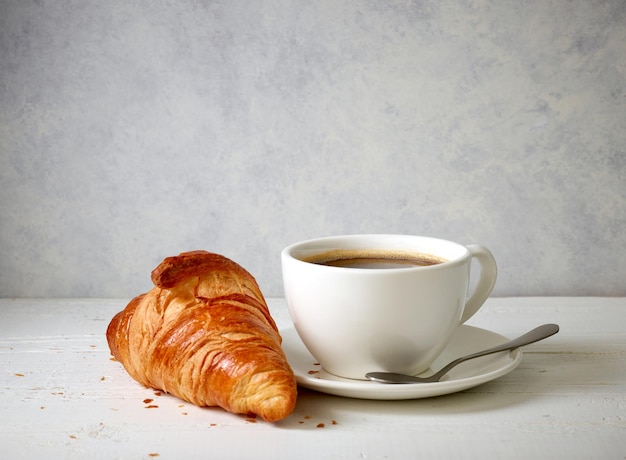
359,320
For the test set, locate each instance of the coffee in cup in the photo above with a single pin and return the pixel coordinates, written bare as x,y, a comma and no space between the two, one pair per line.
372,258
365,303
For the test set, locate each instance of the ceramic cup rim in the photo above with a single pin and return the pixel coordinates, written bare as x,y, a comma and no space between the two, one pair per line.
311,246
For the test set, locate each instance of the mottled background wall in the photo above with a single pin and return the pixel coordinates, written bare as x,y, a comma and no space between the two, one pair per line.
133,130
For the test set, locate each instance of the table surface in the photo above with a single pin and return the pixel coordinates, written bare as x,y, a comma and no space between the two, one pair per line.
62,396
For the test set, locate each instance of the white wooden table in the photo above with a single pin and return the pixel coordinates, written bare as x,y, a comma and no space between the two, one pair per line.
61,396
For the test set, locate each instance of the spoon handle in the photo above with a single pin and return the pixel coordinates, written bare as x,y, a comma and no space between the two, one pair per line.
539,333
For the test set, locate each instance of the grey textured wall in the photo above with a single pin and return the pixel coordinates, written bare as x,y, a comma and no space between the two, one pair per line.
133,130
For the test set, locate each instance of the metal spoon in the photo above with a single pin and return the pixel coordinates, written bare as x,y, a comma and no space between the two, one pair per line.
539,333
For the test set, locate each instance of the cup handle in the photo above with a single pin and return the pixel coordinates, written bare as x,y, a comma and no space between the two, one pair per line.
486,282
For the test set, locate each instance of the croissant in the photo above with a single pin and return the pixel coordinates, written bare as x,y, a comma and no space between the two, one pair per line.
204,334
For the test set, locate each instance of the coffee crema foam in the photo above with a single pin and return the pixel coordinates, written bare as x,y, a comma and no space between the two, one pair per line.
372,258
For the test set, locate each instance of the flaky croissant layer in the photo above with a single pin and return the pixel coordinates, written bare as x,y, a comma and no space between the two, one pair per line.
204,333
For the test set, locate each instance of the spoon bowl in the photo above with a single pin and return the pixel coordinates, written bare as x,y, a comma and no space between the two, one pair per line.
537,334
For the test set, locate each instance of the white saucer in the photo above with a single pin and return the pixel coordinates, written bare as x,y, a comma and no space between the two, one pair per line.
466,339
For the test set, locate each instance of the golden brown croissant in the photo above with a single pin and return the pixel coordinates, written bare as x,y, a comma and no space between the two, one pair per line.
204,333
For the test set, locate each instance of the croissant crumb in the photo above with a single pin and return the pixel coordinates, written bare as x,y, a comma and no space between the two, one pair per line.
204,334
